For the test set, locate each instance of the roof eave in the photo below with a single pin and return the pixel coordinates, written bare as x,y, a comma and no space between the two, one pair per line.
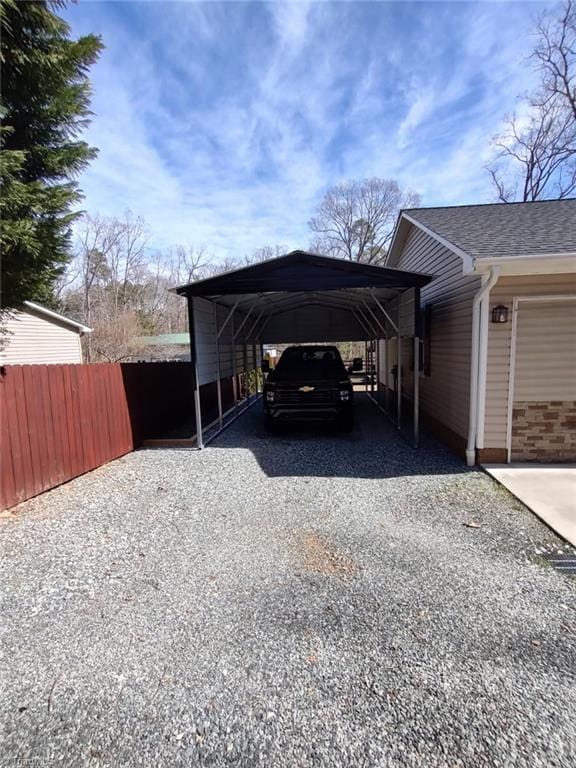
39,309
397,242
529,264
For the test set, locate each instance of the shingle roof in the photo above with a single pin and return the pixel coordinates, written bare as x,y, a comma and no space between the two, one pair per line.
505,229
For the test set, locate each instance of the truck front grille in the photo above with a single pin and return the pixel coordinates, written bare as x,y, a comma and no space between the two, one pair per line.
295,396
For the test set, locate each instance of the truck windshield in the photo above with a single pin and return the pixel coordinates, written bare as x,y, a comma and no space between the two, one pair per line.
319,362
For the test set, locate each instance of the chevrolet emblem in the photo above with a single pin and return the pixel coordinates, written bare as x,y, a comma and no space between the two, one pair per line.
306,388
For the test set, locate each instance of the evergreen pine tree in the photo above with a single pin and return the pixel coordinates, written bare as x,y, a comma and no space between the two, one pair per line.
44,107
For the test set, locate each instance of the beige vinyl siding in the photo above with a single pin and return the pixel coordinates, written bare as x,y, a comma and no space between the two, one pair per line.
445,393
499,340
33,339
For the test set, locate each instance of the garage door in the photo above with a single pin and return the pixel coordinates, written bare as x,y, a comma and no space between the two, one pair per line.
544,395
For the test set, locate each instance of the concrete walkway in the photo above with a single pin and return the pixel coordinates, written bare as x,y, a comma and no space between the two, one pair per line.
549,490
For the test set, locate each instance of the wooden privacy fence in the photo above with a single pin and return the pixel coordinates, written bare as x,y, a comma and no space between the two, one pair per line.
57,422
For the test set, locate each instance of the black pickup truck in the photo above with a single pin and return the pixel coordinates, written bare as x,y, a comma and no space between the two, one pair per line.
309,384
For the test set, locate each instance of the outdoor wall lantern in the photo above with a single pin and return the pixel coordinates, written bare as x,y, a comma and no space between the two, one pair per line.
500,314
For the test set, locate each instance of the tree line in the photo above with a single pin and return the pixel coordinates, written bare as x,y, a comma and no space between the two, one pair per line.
118,286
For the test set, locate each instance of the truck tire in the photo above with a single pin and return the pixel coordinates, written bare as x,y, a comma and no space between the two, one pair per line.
346,422
270,425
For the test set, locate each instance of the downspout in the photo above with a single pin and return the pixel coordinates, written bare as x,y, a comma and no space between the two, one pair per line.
488,282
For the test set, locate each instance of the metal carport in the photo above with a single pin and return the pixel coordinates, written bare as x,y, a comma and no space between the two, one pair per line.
300,297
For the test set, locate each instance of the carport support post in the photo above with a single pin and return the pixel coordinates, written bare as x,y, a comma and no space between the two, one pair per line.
255,367
372,348
218,382
245,358
366,365
399,381
234,379
386,394
416,390
378,371
194,361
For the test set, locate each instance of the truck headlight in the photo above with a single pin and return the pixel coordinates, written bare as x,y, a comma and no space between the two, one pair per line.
344,394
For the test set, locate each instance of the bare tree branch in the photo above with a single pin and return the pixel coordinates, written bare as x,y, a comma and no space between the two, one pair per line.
555,56
536,158
356,219
119,288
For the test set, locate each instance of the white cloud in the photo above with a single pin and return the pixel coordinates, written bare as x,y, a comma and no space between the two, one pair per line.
290,22
223,124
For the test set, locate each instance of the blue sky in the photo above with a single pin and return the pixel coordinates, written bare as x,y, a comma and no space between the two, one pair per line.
223,124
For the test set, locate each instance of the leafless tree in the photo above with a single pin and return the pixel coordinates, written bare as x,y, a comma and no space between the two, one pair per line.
190,263
96,238
119,338
555,55
181,265
106,272
535,157
356,219
220,266
543,154
265,253
229,263
186,264
126,259
121,289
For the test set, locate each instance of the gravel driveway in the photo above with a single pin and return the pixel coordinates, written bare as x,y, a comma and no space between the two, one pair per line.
296,600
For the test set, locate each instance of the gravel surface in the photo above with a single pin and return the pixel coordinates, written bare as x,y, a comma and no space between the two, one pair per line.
296,600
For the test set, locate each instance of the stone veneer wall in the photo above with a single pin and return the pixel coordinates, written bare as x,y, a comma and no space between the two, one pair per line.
544,431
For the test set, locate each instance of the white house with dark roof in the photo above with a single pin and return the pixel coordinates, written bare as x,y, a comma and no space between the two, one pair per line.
35,334
498,380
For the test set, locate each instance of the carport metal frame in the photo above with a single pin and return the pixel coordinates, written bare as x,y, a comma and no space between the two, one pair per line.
348,286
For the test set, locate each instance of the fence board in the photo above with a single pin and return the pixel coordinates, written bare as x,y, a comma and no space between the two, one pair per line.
99,439
52,459
109,411
40,406
59,421
96,415
32,395
120,398
87,428
62,421
7,487
77,416
58,405
70,426
27,482
16,450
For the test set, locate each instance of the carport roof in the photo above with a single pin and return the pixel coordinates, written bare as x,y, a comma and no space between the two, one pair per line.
302,272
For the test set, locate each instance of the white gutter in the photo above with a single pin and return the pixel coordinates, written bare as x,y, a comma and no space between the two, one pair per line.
478,362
